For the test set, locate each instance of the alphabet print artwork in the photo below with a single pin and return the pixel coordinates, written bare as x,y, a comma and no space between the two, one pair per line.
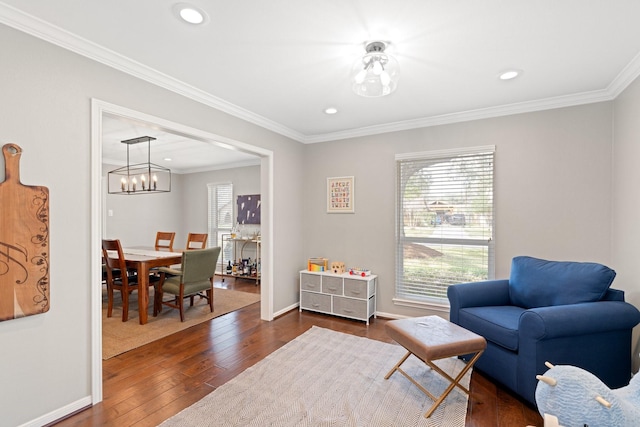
24,242
340,195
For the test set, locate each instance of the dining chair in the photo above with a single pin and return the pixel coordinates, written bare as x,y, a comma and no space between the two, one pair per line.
197,241
164,240
195,277
116,281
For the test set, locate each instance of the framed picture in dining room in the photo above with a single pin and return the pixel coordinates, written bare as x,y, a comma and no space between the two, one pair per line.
341,194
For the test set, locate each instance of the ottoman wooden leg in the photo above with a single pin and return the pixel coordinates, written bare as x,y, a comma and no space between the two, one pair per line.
454,382
395,368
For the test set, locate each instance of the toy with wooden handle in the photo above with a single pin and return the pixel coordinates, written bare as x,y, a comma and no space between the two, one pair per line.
24,242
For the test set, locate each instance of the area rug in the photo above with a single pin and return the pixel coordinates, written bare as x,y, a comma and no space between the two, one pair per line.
119,337
328,378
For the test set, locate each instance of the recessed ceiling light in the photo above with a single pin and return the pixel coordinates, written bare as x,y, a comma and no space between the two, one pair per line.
167,159
510,74
191,14
331,110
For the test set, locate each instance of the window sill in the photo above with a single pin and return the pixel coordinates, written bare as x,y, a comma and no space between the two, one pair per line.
430,305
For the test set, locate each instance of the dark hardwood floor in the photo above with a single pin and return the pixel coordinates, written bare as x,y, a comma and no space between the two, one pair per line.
145,386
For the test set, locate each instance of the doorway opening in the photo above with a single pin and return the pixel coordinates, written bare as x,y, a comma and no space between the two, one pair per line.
100,110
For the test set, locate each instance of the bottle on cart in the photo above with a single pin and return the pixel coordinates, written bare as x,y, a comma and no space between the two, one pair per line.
229,268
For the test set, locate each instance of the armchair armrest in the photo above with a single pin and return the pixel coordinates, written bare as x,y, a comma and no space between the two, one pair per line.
577,319
172,271
477,294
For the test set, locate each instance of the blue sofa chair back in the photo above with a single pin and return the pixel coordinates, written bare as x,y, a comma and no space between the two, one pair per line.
561,312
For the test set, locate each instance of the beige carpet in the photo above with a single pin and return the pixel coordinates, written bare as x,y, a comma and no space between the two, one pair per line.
328,378
119,337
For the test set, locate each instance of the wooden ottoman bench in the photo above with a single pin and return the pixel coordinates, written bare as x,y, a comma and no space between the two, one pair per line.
432,338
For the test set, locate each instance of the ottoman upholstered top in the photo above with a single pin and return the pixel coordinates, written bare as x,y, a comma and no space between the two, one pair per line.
433,338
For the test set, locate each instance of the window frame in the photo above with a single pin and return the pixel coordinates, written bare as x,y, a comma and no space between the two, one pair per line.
432,157
214,230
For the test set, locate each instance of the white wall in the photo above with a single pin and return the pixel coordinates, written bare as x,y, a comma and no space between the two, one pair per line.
626,198
45,108
552,190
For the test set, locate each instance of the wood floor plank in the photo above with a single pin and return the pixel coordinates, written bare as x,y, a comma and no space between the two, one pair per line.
147,385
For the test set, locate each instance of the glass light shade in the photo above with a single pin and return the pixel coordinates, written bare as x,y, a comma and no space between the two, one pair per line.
376,74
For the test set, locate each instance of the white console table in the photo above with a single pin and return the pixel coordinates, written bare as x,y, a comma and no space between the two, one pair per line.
338,294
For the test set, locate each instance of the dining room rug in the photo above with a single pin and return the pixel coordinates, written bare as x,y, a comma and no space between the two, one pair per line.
119,337
328,378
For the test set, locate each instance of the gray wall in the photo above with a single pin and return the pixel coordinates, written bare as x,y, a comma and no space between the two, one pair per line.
136,219
626,199
557,197
246,180
552,190
46,93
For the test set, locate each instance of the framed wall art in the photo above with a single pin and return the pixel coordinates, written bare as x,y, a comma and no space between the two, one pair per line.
249,209
340,194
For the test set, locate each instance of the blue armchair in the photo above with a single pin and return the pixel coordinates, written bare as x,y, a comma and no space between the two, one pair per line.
561,312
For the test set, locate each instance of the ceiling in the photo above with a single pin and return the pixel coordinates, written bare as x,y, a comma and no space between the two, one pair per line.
170,149
281,63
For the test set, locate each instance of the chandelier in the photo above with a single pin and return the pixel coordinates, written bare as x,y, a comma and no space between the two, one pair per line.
139,178
376,74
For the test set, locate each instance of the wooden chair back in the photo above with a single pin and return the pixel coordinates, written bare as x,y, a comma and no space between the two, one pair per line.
117,277
114,262
164,240
197,241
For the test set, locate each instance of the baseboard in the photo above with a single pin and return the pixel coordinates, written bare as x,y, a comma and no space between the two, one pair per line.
59,413
390,315
286,310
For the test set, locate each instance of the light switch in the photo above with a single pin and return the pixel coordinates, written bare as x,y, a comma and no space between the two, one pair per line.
110,212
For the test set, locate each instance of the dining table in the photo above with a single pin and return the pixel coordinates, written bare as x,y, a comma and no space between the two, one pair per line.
143,259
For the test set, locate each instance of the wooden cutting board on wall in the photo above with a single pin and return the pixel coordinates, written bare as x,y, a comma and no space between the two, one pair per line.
24,242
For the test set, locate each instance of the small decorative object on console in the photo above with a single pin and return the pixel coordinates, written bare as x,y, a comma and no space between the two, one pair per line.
317,264
337,267
358,271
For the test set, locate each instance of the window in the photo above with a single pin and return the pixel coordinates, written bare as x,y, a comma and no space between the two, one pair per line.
444,222
220,214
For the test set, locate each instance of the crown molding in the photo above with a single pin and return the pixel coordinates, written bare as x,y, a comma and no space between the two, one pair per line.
48,32
38,28
465,116
628,74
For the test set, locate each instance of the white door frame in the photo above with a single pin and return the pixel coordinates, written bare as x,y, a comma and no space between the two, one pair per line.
98,110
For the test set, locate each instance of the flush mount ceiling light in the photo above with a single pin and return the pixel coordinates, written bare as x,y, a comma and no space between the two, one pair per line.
139,178
330,110
376,73
191,14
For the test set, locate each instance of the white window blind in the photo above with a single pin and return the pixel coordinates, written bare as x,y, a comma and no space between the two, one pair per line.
221,217
444,221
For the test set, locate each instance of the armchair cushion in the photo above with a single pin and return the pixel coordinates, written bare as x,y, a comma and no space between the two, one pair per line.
496,324
539,283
